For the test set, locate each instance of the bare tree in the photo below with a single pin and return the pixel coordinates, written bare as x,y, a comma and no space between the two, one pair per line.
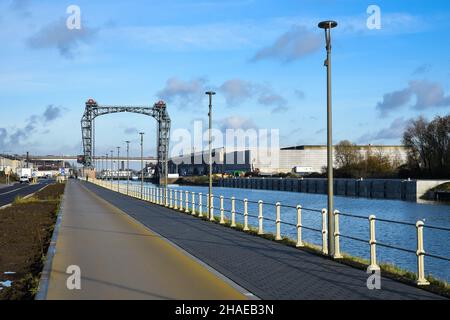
347,154
429,146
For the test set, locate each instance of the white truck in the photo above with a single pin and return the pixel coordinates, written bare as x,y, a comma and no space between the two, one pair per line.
25,174
303,170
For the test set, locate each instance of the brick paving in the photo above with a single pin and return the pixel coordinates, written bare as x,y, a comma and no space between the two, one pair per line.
268,269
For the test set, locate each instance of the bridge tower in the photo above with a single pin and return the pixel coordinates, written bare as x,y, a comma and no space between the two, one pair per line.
157,111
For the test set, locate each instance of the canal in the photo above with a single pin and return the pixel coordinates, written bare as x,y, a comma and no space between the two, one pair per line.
433,214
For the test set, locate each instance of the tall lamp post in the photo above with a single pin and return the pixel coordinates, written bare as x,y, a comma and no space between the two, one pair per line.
118,169
128,165
327,26
112,168
142,162
210,94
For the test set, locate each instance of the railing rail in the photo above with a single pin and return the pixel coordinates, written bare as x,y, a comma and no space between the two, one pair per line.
192,203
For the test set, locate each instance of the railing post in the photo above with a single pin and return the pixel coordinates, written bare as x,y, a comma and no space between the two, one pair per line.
260,218
200,205
324,232
170,198
153,195
187,202
207,205
337,247
278,221
222,211
211,203
193,204
246,228
166,196
299,227
181,200
233,212
373,245
421,280
175,206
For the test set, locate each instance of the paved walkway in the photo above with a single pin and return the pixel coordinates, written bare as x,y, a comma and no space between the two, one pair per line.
121,259
268,269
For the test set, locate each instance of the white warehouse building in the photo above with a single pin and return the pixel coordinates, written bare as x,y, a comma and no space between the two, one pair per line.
301,159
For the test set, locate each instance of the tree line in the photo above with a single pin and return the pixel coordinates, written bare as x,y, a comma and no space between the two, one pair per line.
428,154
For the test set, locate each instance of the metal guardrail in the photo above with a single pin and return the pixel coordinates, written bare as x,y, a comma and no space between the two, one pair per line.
185,201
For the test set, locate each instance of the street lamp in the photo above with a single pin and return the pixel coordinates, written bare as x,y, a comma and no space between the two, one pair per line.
327,26
210,94
142,162
128,165
118,169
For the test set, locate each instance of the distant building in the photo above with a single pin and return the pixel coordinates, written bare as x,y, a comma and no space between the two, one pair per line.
302,159
8,164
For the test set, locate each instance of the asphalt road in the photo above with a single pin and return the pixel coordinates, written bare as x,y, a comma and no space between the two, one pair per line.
8,194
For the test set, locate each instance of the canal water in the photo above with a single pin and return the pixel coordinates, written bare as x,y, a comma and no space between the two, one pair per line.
433,214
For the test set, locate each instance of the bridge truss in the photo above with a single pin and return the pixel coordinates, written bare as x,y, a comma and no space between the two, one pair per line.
158,111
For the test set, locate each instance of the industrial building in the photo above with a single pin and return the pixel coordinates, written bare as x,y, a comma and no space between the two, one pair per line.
302,159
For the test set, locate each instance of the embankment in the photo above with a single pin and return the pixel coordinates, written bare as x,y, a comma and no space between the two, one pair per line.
409,190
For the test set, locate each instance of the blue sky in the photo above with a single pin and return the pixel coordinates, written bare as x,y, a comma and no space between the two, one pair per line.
265,59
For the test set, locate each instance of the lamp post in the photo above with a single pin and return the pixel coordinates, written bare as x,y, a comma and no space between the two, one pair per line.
128,165
118,169
112,168
210,94
327,26
142,162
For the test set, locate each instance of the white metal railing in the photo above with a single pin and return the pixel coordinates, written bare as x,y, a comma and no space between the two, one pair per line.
173,198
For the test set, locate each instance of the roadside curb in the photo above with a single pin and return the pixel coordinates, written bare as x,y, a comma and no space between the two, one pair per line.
45,275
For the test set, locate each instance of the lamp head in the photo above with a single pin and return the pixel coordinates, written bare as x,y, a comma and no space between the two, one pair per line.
329,24
211,93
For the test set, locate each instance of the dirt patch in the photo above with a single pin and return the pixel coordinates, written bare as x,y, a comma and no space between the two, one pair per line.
51,192
25,233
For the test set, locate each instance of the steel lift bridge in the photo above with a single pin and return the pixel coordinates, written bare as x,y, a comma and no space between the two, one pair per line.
158,111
